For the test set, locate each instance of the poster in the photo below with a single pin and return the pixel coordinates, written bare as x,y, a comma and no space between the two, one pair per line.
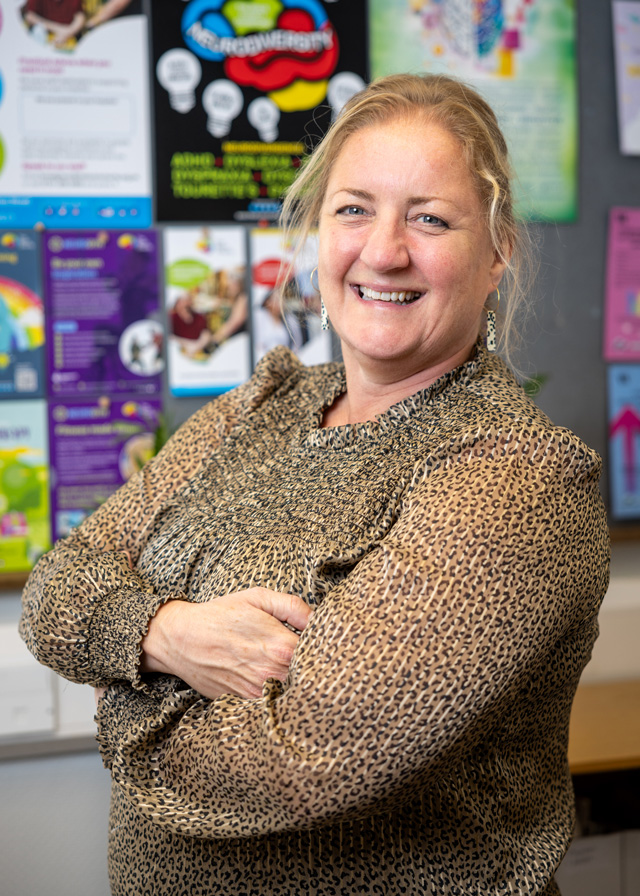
521,56
624,440
74,114
626,43
22,352
239,87
207,309
24,484
104,320
96,445
297,324
622,297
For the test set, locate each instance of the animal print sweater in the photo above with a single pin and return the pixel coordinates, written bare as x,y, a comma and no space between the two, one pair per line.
456,552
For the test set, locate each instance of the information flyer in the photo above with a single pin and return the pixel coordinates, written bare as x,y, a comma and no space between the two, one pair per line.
207,307
285,304
624,440
104,319
239,87
622,298
24,484
626,42
96,445
521,56
74,119
22,357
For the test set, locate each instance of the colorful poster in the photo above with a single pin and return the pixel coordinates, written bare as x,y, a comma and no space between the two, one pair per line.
24,484
74,120
96,445
238,88
626,43
207,306
22,358
521,56
285,305
624,440
104,321
622,298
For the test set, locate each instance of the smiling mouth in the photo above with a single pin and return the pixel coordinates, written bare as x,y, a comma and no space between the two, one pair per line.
398,298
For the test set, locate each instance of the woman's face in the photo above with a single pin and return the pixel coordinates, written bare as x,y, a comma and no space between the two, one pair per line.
405,258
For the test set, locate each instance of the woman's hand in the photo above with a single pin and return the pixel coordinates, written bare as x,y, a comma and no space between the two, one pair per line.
229,645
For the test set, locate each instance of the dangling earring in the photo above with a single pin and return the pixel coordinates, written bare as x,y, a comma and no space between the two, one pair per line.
324,317
491,325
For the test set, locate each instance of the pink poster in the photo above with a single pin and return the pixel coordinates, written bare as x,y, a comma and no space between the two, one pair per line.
622,299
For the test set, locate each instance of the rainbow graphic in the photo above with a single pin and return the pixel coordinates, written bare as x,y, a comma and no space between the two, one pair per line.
633,303
21,317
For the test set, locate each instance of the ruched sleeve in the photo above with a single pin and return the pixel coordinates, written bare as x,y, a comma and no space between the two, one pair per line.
85,607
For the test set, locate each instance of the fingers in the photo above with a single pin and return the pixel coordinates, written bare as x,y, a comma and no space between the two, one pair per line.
230,644
289,608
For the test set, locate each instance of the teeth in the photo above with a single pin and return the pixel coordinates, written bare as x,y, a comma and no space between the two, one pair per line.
401,297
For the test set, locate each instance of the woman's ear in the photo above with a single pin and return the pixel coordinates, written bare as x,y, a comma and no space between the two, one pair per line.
501,260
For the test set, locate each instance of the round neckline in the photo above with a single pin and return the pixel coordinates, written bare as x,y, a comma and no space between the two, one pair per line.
400,412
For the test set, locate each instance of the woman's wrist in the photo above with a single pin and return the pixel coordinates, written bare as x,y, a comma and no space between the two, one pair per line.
154,656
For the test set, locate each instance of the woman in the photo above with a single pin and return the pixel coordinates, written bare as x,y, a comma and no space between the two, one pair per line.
409,736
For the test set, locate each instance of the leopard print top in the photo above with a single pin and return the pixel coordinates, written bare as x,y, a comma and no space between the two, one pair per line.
456,551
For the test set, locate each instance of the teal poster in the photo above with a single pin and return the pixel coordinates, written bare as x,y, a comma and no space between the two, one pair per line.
521,56
624,440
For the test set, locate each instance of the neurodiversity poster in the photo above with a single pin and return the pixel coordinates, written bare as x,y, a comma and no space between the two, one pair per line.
285,304
521,55
626,42
96,445
24,484
239,86
104,328
22,357
622,298
207,308
624,440
74,123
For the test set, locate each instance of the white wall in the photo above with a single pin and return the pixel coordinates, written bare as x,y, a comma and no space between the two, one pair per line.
53,826
616,654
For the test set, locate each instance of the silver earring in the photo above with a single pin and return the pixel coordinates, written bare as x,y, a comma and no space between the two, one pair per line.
313,286
324,317
491,325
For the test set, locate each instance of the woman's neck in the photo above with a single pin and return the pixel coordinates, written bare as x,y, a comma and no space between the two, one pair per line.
372,390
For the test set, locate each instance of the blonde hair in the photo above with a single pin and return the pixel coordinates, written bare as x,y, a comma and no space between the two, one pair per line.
460,110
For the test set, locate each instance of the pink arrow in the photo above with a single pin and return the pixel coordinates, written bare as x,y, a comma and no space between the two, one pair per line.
628,423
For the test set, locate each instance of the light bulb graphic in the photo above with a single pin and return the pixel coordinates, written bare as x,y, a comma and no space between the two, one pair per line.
341,88
264,115
222,100
179,72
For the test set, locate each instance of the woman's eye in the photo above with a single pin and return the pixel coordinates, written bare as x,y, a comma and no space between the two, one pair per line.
431,220
351,210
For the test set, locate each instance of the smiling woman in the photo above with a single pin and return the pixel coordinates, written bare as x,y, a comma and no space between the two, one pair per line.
406,262
338,622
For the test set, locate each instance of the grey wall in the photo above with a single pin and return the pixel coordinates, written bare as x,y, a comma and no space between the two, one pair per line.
567,337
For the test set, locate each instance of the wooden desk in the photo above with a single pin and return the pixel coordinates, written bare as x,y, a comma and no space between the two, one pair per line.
605,727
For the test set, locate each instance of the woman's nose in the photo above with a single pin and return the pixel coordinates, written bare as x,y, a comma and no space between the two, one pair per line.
386,247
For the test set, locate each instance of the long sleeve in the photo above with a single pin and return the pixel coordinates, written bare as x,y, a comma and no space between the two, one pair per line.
487,585
85,606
